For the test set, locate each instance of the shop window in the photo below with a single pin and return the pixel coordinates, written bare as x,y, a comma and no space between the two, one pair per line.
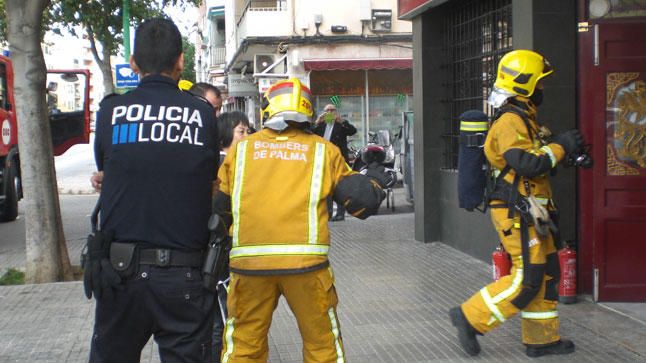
477,33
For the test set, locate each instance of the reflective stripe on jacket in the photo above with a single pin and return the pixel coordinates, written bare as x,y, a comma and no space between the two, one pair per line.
509,136
279,183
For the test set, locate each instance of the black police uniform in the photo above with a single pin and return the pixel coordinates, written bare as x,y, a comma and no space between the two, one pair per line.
157,147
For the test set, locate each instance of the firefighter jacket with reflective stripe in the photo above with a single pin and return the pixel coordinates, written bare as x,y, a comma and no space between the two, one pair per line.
278,184
509,142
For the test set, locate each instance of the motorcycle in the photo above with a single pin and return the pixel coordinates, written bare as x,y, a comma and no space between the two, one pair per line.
379,150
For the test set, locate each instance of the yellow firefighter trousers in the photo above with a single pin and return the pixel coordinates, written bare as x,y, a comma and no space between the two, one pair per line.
251,303
492,305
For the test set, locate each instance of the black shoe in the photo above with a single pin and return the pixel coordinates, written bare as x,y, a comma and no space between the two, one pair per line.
563,346
466,333
337,218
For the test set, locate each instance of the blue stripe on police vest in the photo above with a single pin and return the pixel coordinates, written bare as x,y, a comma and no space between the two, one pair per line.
123,134
115,134
132,132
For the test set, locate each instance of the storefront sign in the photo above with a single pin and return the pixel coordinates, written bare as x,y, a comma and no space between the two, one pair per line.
408,9
241,86
265,83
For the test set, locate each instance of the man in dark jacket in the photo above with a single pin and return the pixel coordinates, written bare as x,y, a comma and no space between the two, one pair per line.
156,151
333,128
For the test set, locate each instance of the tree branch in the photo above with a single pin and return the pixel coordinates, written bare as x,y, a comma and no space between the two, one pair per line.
95,53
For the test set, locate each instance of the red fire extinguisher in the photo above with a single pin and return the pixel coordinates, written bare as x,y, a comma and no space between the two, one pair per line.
567,285
500,262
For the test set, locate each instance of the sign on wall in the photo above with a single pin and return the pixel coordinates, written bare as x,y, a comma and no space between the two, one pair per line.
241,86
124,76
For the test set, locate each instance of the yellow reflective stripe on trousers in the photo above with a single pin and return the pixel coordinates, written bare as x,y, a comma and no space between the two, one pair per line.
542,315
228,336
474,126
272,250
315,192
491,305
515,284
337,341
241,157
549,153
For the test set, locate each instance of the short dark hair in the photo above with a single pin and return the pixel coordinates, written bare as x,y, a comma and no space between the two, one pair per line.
158,45
227,121
202,88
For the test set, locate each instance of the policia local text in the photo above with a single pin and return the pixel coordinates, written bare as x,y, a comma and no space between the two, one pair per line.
148,123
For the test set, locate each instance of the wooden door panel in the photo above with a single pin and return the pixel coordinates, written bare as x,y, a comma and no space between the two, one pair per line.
619,174
625,252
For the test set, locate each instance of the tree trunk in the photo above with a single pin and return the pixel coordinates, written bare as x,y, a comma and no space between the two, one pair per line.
104,64
44,229
106,70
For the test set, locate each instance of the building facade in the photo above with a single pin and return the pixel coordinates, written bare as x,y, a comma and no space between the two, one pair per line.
357,55
210,44
598,50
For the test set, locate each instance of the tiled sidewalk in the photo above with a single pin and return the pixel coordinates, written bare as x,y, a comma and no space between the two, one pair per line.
394,296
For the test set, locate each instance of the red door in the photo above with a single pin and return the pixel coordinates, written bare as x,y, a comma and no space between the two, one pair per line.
612,105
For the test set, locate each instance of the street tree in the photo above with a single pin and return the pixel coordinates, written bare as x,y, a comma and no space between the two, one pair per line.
189,60
103,24
47,258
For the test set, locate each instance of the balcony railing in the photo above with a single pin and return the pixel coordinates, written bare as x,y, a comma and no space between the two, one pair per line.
217,56
242,6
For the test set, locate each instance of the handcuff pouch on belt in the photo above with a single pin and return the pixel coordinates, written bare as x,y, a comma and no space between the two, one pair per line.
123,258
216,264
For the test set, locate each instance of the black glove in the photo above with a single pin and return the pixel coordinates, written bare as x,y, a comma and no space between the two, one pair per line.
377,172
99,277
570,140
360,195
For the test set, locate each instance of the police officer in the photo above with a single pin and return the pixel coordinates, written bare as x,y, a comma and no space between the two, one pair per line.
156,151
520,150
274,186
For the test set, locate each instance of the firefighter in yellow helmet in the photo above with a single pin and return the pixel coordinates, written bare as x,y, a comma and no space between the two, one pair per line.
522,153
273,190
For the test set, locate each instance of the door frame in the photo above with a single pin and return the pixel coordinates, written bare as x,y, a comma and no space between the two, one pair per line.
591,245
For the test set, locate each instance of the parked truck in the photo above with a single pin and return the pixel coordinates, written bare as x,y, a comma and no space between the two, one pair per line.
68,103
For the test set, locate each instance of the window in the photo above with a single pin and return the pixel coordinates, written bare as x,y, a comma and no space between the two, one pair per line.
477,33
3,87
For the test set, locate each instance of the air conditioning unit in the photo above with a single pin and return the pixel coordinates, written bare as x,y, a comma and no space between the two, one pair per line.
262,63
382,20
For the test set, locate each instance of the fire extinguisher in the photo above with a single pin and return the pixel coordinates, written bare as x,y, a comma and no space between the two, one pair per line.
500,262
567,285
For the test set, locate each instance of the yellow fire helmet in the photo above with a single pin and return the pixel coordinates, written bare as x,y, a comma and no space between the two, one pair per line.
518,73
184,84
284,101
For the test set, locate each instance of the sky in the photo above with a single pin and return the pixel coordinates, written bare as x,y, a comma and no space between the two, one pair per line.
183,18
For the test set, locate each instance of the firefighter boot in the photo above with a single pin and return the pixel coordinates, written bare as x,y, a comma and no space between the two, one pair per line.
466,333
563,346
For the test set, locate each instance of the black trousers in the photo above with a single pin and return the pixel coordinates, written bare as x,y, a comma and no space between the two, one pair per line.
167,303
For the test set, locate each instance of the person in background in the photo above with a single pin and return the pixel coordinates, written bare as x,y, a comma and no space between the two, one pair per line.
210,92
232,127
330,126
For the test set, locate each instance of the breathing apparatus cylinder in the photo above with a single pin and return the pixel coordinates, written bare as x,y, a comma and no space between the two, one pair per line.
500,262
474,125
567,284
